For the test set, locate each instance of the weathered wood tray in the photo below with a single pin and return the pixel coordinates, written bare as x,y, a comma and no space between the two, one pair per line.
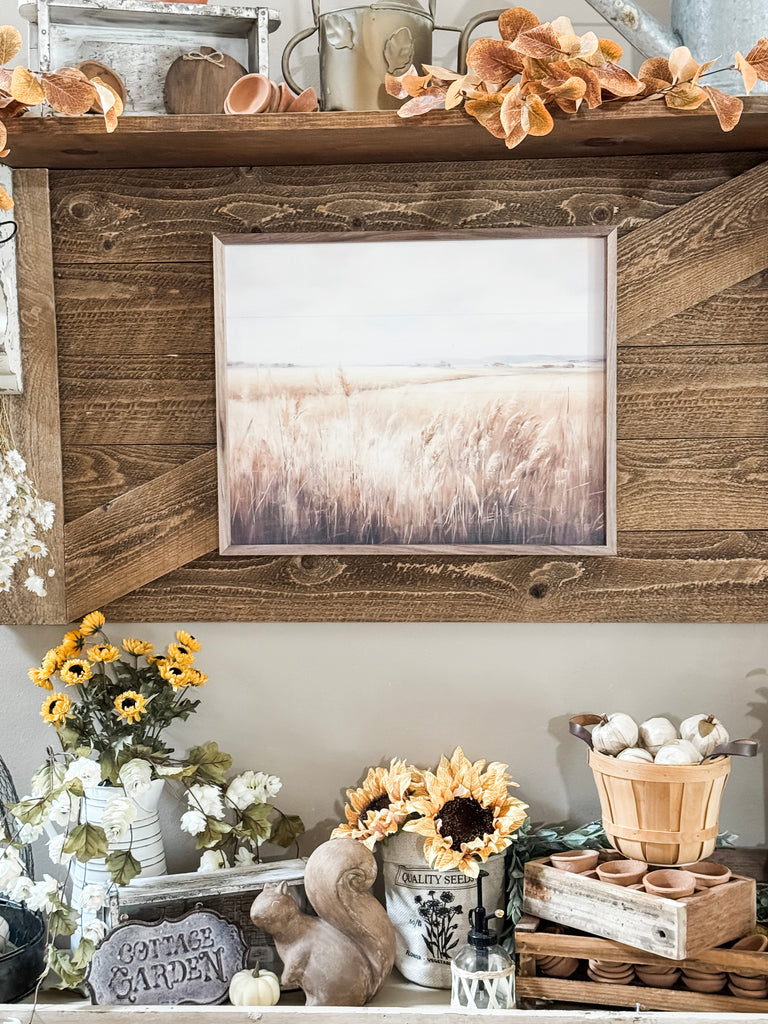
674,929
576,989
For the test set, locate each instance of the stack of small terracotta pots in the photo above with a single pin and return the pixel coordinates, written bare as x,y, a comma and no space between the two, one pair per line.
257,94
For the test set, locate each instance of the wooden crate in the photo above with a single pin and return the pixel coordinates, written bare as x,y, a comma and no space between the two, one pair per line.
675,929
578,989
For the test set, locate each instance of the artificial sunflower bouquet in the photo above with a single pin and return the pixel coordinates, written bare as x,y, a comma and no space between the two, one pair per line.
463,810
110,707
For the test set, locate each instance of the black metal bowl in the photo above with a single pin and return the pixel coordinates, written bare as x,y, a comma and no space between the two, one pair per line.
20,970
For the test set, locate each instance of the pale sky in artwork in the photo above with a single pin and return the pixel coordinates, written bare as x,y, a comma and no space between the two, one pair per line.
405,302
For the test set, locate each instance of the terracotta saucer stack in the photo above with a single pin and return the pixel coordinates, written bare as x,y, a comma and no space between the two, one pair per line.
704,981
749,984
610,972
557,966
656,976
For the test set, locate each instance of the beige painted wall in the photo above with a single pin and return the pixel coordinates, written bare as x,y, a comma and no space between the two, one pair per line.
317,703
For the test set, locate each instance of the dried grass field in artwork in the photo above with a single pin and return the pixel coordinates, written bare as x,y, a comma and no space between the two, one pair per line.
457,441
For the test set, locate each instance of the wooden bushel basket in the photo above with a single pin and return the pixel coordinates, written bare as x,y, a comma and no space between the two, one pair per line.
665,815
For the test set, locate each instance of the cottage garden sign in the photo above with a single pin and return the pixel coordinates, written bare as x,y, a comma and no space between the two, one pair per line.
188,960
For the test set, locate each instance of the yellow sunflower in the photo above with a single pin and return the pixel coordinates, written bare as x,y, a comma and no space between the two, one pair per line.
181,654
55,709
176,675
72,643
40,678
464,813
53,660
103,652
130,705
196,678
188,640
138,647
76,670
92,623
377,809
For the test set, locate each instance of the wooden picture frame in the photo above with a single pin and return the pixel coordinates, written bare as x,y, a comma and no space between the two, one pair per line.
441,447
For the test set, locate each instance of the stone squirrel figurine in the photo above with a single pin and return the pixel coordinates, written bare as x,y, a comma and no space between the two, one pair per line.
342,956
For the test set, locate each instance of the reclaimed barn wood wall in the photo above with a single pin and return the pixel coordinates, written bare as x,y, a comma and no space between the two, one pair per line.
133,288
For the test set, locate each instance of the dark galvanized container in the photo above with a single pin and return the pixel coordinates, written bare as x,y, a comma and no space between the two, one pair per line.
20,970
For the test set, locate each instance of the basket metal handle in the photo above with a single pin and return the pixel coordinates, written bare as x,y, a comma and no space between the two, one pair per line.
577,724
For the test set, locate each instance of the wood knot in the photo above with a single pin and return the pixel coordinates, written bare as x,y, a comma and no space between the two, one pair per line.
551,575
312,570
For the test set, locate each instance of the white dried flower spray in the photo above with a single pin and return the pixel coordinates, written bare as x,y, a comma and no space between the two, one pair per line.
24,515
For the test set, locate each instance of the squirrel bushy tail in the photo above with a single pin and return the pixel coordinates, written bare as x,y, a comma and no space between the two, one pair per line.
337,880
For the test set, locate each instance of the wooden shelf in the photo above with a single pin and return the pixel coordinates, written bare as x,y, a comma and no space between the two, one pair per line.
381,137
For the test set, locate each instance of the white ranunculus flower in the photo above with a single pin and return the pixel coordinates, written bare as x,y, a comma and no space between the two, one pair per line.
11,868
93,930
29,833
93,897
252,788
212,860
56,849
84,769
136,777
117,817
244,858
206,799
193,822
44,895
22,889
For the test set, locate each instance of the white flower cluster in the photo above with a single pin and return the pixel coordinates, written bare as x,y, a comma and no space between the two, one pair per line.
252,788
23,516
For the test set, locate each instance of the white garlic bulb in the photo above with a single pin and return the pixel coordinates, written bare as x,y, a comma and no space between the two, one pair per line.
679,752
635,754
655,732
705,732
614,733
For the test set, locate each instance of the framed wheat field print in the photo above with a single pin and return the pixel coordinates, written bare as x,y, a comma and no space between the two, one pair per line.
417,392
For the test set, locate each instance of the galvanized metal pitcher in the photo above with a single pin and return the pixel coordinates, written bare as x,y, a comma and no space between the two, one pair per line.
360,45
709,28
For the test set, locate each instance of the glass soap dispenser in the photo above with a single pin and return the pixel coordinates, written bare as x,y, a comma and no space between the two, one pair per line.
482,972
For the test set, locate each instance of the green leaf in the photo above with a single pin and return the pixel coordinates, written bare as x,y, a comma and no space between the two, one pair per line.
29,812
122,866
176,771
108,763
87,842
83,955
63,921
287,830
212,834
70,738
75,787
61,963
213,764
254,821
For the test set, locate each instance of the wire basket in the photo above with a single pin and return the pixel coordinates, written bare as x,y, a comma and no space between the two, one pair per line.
22,968
8,796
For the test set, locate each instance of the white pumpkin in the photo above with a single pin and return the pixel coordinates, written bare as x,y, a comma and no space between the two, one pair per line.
614,733
254,988
679,752
705,732
5,937
655,732
635,754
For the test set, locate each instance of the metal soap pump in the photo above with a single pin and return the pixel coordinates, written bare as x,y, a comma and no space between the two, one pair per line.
482,972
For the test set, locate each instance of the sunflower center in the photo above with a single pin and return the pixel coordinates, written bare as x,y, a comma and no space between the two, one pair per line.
76,670
379,803
129,702
464,819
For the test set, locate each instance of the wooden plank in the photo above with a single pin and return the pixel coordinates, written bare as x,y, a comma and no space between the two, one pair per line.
136,216
682,484
694,252
98,474
119,398
737,315
140,535
362,137
96,306
656,577
34,415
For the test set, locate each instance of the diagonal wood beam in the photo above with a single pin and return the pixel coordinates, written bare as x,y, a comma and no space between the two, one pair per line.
141,535
693,252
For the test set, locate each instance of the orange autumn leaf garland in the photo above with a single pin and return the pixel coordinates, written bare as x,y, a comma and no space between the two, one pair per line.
512,82
68,91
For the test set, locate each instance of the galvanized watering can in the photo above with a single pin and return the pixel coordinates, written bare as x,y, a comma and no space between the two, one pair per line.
709,28
360,45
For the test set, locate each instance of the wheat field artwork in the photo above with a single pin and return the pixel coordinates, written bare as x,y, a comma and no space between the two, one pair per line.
415,394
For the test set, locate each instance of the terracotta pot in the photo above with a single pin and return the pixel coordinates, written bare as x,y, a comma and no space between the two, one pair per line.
657,980
251,94
670,883
747,993
622,872
752,944
709,985
747,982
691,972
564,968
577,861
708,874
